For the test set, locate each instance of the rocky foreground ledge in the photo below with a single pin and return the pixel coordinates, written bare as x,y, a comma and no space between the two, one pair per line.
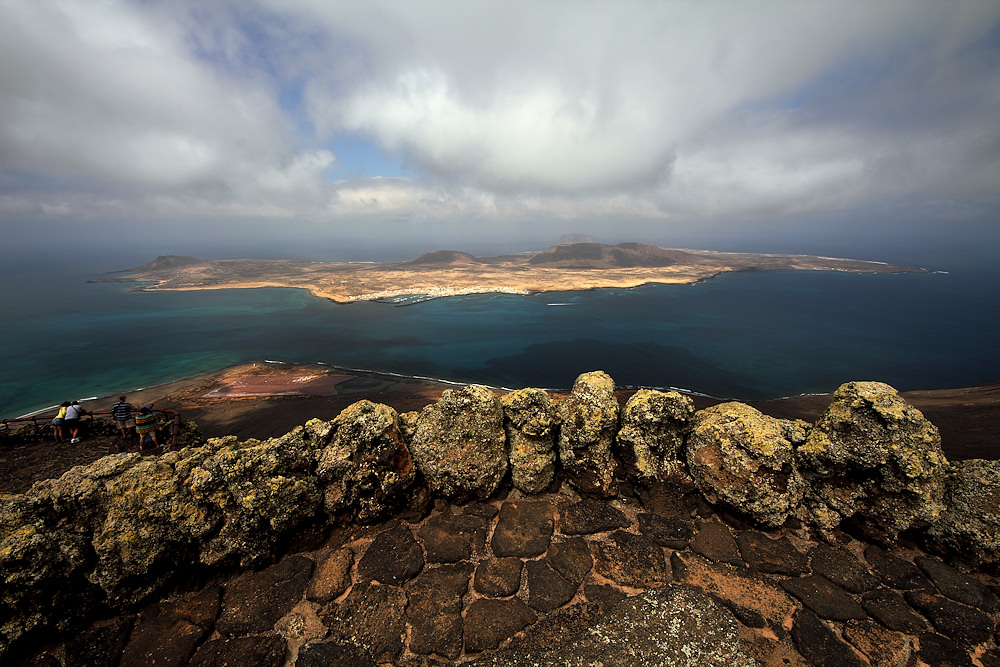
519,530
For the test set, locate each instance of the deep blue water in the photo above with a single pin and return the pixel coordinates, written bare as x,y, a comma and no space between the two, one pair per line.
752,335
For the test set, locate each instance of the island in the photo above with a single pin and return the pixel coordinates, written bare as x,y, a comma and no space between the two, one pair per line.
442,273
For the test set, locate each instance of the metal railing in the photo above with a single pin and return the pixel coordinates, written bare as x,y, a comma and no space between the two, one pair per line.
173,416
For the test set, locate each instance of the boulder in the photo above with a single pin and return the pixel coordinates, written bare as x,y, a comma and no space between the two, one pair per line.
251,494
970,524
365,465
665,626
874,458
531,421
589,424
651,438
746,459
459,445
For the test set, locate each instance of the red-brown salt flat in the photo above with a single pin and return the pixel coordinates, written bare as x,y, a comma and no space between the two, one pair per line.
279,385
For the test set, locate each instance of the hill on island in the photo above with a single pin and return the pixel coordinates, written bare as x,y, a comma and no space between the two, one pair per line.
602,256
443,257
168,262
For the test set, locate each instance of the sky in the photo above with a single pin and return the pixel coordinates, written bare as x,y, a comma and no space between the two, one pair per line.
269,125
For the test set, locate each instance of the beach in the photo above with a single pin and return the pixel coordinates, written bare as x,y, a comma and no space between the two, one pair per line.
275,400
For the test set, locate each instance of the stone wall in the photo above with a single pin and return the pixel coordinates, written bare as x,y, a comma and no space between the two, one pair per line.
110,535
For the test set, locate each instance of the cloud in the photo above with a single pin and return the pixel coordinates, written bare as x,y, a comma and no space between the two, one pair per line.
103,96
498,110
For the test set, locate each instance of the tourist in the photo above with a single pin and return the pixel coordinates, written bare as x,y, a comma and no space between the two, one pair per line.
146,422
57,422
121,412
72,421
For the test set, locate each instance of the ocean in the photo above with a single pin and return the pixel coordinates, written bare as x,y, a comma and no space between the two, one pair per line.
743,336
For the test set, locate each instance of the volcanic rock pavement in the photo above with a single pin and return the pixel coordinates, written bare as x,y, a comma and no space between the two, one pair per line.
515,581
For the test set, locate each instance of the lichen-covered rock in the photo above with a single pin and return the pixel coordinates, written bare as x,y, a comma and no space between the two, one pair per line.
43,570
665,626
740,456
589,424
365,466
150,519
874,458
652,431
459,444
531,420
970,526
259,491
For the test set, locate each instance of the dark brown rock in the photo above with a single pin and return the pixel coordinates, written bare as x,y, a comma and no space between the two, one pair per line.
571,559
773,556
894,571
667,531
253,602
590,516
328,654
631,560
547,589
169,634
499,577
963,624
258,651
393,557
959,587
674,498
553,629
749,593
488,623
102,644
825,598
434,609
991,658
714,541
842,567
484,511
331,576
606,597
667,626
890,609
820,645
450,538
523,529
883,647
372,618
942,652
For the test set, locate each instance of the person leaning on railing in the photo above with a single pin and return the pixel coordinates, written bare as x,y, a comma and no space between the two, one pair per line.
146,422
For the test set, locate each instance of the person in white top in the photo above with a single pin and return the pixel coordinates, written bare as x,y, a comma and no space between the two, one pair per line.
72,420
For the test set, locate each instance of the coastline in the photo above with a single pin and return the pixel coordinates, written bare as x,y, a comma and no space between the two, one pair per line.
572,267
967,417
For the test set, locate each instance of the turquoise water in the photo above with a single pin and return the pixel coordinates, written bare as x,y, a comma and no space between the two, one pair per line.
752,335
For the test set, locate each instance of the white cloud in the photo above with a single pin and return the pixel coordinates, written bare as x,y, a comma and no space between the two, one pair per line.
505,109
103,94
